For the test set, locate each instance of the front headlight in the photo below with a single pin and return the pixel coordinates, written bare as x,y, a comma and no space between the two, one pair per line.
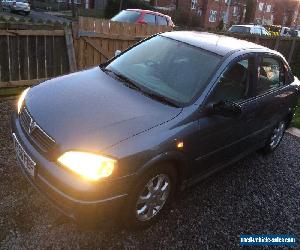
21,99
89,166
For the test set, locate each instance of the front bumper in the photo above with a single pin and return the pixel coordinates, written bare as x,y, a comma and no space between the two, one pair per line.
74,197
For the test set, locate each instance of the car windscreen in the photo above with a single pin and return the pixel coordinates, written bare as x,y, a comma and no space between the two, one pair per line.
239,29
169,68
127,16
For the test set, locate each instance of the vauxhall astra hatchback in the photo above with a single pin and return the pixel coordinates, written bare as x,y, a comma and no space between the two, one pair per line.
120,140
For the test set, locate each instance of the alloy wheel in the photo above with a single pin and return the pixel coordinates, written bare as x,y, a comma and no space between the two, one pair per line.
153,197
277,135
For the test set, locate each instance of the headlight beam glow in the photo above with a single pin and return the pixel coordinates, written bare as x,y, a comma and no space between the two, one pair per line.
21,99
88,165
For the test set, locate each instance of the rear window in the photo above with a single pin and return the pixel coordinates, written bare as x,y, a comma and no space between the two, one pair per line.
127,16
239,29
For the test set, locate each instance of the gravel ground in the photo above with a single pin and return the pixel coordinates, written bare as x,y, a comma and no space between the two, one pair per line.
258,195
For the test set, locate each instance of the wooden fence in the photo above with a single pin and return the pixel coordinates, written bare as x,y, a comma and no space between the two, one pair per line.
96,40
29,56
288,46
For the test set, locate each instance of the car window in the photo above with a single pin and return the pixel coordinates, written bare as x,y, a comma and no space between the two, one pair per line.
234,83
173,69
161,20
127,16
149,18
271,74
264,32
239,29
256,31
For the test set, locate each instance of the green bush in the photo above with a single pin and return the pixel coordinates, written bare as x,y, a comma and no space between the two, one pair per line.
113,6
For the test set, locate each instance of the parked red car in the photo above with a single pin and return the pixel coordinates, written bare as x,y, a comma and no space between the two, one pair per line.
143,16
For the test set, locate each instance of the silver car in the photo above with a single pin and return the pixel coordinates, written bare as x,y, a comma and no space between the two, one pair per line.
18,6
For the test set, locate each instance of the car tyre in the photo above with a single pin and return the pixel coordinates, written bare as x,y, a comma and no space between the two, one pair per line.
151,197
275,138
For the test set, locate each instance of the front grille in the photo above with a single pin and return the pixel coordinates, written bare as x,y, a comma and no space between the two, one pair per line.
35,133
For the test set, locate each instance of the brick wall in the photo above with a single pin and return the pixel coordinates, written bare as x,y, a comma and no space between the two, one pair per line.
286,12
216,11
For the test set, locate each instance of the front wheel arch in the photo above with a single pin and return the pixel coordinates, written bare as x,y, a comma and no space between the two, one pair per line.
175,159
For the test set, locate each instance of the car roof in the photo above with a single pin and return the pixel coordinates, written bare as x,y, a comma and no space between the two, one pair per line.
218,44
248,25
244,25
149,11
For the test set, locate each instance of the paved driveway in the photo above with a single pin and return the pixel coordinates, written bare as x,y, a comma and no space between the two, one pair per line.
258,195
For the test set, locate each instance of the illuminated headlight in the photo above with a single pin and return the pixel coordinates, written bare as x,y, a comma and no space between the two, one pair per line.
89,166
21,99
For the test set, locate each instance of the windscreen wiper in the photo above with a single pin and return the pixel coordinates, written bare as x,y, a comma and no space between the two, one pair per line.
131,84
124,79
161,98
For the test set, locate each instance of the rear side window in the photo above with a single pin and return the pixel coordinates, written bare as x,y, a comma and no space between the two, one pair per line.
127,16
149,18
271,74
161,20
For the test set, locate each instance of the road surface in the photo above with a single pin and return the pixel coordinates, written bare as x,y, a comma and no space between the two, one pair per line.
36,16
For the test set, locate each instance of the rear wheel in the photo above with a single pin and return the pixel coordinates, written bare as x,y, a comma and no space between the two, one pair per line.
151,197
275,138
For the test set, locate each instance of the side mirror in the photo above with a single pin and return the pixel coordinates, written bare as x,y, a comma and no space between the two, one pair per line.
118,52
227,109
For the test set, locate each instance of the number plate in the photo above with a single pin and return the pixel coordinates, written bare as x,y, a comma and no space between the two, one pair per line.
23,157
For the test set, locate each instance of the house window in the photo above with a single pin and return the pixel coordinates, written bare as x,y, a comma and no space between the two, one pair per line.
234,11
194,4
212,16
261,6
224,16
269,8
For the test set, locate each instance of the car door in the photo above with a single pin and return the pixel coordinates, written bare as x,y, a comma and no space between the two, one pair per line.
219,139
273,95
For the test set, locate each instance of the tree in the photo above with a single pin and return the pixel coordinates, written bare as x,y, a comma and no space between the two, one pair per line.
249,10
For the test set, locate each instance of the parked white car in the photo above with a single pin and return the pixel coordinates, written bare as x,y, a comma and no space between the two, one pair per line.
17,6
250,29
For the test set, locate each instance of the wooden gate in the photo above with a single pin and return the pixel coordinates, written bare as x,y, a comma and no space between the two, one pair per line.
96,40
31,56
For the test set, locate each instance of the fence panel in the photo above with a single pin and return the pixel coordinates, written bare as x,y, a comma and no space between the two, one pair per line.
28,56
98,39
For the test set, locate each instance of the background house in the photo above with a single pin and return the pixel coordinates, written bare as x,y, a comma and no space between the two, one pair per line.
209,12
286,13
261,11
